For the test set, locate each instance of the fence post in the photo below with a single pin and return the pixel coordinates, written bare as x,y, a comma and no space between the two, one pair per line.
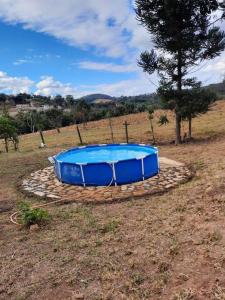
152,130
111,130
79,135
126,131
42,139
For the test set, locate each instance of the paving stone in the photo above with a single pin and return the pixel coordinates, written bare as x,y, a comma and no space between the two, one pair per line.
44,183
40,194
123,188
52,196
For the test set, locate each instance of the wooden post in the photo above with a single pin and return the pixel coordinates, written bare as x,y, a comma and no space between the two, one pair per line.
79,135
152,130
42,137
126,131
111,130
6,145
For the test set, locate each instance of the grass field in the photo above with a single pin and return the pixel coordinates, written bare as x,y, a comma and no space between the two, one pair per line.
204,127
164,247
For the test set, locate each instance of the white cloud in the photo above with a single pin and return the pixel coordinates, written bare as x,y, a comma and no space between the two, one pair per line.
108,67
14,85
34,58
216,66
108,26
131,87
48,86
21,62
210,71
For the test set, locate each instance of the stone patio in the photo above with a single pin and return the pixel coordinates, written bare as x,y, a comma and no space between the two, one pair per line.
44,184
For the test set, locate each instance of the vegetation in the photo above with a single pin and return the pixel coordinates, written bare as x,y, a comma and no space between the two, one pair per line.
31,216
8,132
73,112
84,245
195,102
184,35
163,120
65,111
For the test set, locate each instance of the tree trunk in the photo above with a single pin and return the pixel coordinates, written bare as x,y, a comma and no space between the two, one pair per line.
189,127
179,89
178,128
152,130
6,145
111,130
15,145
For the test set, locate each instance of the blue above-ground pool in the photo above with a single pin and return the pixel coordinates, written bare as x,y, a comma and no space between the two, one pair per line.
105,165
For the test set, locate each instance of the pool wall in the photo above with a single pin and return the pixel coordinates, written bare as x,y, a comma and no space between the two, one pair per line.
107,173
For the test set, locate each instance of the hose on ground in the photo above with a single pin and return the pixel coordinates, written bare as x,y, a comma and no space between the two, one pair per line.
13,217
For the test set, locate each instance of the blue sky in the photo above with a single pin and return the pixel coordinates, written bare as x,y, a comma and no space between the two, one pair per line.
77,47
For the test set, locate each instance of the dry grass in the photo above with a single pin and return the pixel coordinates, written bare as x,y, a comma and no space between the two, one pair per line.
205,127
164,247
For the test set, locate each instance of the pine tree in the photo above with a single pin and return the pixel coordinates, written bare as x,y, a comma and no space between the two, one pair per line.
184,34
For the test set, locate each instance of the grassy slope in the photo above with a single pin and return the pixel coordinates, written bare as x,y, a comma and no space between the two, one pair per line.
98,131
165,247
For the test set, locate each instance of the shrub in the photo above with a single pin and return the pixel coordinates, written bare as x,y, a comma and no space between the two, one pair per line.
31,216
111,226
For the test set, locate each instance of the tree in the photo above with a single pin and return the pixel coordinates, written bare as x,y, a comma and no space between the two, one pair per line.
8,131
32,120
151,117
59,101
55,117
41,119
183,35
70,101
21,98
3,98
196,101
81,112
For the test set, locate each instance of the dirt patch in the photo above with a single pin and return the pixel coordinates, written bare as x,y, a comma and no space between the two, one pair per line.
168,246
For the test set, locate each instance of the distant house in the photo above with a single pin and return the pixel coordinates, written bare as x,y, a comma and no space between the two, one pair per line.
23,107
46,107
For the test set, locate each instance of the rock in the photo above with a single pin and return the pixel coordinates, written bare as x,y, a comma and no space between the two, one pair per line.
2,290
123,188
40,194
129,252
34,227
28,189
78,296
209,190
53,196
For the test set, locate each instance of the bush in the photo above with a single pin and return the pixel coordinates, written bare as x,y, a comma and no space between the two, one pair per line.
31,216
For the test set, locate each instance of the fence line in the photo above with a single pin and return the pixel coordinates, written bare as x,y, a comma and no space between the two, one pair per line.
136,131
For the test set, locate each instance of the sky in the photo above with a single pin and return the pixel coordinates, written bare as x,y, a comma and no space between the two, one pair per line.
78,47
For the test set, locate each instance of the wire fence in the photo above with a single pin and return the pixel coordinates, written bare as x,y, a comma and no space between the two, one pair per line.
116,130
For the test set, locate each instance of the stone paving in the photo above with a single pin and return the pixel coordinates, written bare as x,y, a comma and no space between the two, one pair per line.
44,184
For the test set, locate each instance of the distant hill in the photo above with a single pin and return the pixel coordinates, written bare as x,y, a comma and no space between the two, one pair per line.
218,88
94,97
102,101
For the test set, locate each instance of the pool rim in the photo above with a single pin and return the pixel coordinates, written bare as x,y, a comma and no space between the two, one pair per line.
156,151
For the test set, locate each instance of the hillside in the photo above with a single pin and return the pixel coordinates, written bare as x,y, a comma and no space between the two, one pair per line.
93,97
169,246
218,88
